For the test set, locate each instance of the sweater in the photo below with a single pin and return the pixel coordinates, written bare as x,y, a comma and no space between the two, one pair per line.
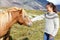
51,22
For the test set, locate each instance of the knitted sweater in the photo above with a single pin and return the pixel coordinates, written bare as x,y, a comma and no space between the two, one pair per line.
51,22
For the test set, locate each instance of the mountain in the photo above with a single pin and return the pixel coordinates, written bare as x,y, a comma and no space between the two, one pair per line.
58,7
43,2
26,4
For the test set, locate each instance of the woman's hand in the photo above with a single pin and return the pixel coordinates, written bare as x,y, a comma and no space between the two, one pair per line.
51,36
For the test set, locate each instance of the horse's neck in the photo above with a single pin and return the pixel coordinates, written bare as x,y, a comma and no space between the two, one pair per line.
5,18
6,22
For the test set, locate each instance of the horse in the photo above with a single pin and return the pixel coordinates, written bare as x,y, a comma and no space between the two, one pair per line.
10,16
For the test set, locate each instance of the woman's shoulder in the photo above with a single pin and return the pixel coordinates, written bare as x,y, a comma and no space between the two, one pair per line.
56,14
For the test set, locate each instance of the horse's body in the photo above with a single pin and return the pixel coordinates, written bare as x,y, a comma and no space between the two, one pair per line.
11,16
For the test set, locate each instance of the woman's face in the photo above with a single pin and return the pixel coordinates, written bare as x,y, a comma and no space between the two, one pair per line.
49,9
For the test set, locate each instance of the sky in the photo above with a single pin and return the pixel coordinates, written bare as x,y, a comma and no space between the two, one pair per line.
56,2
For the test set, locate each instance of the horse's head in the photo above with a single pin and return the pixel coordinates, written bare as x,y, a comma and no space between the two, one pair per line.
23,18
21,15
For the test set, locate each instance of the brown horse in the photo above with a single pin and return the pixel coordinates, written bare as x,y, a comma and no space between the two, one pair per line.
9,17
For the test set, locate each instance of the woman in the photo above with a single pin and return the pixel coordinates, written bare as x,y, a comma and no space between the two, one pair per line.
52,21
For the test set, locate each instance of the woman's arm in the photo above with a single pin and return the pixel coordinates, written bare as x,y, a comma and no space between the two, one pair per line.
41,17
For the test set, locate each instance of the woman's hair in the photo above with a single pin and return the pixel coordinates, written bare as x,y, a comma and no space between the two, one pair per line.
53,6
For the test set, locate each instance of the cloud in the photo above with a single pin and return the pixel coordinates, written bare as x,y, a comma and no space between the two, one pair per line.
57,2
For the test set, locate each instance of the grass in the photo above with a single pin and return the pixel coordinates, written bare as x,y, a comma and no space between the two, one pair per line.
35,32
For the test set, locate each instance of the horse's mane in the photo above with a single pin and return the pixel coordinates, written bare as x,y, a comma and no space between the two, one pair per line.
4,18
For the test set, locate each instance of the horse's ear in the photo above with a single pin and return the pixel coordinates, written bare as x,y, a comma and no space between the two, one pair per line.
20,11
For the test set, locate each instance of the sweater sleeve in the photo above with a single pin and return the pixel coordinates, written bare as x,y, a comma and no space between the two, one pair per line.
38,18
56,26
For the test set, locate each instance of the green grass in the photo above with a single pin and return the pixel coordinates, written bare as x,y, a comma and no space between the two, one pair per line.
35,32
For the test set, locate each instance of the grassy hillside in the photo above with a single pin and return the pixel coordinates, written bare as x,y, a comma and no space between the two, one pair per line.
35,32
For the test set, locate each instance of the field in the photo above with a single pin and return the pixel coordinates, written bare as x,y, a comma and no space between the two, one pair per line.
35,32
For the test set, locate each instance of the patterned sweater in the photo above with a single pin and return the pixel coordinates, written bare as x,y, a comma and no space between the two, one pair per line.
51,22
